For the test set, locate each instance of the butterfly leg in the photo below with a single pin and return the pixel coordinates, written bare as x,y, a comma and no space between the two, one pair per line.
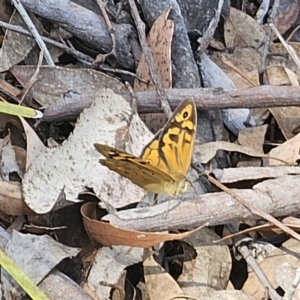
149,199
167,207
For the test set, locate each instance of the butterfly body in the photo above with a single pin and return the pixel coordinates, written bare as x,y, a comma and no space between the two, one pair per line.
164,162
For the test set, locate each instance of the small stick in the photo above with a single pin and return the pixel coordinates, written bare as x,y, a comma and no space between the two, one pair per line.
241,245
33,79
149,58
262,96
104,68
110,30
133,97
80,56
33,31
292,34
287,47
268,36
120,7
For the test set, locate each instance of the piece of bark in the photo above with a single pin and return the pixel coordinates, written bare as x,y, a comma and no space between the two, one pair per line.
277,197
87,26
263,96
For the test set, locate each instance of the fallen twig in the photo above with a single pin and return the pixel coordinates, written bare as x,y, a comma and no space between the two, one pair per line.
80,56
110,30
241,245
18,5
113,70
34,77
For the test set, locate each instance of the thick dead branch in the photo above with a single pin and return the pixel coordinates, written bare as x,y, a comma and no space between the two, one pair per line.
263,96
277,197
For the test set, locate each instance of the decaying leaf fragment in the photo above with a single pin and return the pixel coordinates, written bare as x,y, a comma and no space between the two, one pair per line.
287,253
241,29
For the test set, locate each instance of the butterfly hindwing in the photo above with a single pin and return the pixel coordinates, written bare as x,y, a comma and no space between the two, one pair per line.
172,147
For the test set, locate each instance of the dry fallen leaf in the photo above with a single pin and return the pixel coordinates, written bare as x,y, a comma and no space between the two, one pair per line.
159,40
286,15
286,117
253,137
11,200
242,30
34,144
206,152
37,265
72,166
16,46
230,175
107,234
289,151
284,271
12,159
286,153
280,56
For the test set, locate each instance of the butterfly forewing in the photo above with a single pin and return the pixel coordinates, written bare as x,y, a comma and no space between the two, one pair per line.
172,148
139,171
